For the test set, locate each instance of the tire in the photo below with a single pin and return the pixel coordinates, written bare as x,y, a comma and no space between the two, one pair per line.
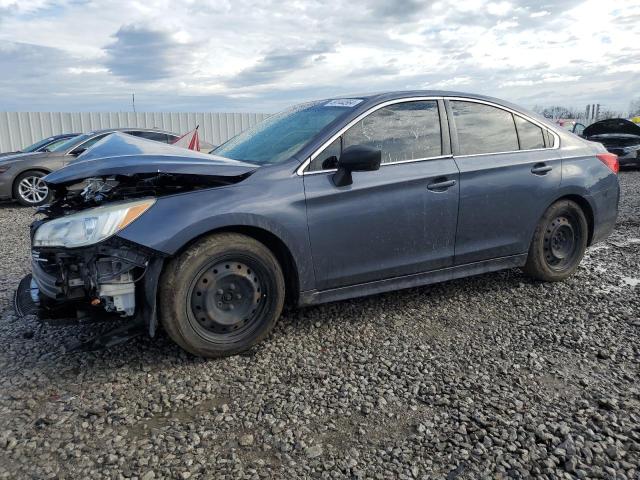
221,296
559,242
29,190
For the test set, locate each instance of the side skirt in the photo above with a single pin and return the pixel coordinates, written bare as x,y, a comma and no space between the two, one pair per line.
314,297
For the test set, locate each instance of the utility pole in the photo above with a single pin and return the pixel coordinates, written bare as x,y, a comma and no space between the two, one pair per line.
133,102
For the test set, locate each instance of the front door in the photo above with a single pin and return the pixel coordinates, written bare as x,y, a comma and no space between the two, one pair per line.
395,221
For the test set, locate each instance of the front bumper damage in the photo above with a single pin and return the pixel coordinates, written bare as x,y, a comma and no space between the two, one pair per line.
115,279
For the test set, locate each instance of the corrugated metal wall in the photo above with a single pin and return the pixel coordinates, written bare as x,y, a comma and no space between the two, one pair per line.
21,129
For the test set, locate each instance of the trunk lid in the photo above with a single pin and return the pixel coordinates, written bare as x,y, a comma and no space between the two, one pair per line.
612,126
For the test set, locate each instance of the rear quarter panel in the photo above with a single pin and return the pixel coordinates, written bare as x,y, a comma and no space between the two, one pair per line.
583,174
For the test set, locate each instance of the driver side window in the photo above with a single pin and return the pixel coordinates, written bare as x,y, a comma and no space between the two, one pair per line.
402,131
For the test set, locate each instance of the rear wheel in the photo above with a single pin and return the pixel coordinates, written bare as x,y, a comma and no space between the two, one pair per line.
222,295
559,242
30,190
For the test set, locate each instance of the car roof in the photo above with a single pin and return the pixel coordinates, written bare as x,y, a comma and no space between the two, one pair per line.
127,129
64,135
378,97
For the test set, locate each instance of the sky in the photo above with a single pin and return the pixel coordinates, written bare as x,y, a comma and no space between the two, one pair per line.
262,56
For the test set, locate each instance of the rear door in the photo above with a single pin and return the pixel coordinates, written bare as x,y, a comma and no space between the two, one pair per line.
510,172
395,221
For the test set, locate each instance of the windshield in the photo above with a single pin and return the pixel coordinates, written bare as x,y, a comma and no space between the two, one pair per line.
53,145
281,135
72,142
37,145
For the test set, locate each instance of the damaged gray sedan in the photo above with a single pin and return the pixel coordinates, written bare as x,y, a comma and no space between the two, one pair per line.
326,201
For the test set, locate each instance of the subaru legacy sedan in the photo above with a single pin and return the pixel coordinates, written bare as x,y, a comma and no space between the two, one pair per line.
328,200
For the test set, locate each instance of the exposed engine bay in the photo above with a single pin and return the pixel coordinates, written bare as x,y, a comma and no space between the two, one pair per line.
96,190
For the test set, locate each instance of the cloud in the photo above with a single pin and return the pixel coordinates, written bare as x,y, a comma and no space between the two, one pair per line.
263,56
142,54
275,64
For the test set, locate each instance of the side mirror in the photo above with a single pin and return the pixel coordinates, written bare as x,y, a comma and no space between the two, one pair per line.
356,158
78,151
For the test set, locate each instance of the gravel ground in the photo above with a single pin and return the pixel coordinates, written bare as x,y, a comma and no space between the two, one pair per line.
488,377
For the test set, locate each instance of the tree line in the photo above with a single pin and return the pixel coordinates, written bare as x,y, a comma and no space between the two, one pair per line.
559,111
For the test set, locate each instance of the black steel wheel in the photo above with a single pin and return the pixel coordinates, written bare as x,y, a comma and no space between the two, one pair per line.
226,297
222,295
559,242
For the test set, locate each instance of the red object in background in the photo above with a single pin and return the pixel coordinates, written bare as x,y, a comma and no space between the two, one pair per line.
610,160
189,140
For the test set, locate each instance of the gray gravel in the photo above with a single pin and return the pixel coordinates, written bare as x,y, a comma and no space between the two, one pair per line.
489,377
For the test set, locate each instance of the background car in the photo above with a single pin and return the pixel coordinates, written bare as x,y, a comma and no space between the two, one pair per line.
42,145
21,175
572,125
619,136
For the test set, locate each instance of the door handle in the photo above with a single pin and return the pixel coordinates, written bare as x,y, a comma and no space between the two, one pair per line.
541,169
441,186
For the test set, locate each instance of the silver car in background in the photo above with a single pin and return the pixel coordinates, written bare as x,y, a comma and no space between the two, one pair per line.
21,174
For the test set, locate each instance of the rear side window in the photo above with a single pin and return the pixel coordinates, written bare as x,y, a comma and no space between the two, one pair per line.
531,136
156,136
403,131
483,128
550,139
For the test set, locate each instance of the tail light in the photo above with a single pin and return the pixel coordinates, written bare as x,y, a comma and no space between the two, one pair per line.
610,160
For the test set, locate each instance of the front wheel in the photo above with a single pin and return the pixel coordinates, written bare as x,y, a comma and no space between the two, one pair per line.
222,295
30,190
559,242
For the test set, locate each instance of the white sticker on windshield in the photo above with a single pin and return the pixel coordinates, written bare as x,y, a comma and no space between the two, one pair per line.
343,102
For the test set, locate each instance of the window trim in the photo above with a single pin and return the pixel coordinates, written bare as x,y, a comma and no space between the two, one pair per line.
556,144
556,137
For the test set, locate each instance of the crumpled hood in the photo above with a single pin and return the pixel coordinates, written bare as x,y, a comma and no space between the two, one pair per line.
120,154
612,126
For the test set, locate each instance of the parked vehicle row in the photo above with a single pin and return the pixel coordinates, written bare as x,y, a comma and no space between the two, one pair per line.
619,136
328,200
21,173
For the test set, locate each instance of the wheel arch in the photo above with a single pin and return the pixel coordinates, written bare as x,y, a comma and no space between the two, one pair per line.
46,171
274,243
14,183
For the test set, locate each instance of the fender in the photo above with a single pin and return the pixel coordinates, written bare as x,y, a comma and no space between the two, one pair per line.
186,217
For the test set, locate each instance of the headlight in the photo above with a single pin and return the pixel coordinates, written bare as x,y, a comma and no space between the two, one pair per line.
89,226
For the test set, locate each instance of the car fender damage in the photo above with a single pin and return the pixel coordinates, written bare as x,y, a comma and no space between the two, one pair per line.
115,277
